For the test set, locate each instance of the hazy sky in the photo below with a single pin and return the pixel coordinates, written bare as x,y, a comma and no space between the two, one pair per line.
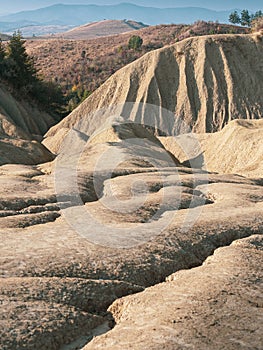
20,5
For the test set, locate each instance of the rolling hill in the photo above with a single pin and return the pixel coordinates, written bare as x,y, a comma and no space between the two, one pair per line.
100,29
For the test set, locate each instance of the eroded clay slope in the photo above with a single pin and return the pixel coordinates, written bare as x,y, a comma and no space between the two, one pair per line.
205,81
25,116
21,125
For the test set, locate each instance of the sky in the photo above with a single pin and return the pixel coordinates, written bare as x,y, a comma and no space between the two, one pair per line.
20,5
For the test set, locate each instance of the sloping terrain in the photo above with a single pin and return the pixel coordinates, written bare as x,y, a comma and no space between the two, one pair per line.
21,126
205,82
102,28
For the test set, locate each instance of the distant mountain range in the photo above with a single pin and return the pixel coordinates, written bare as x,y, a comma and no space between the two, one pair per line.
22,5
75,15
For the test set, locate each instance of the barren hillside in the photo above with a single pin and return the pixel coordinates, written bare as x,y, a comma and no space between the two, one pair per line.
205,82
101,29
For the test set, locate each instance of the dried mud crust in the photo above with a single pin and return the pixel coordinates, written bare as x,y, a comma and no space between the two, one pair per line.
215,306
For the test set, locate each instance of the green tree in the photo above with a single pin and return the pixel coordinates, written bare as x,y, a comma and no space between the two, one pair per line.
234,17
18,70
2,59
245,18
135,42
21,68
257,15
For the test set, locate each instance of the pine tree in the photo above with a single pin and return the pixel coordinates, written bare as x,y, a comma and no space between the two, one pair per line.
22,71
245,18
234,18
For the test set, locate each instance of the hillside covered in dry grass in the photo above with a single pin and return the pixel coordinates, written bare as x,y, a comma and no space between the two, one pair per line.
81,66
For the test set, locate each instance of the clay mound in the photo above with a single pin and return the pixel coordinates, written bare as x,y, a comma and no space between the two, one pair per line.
238,148
102,28
117,148
117,129
206,81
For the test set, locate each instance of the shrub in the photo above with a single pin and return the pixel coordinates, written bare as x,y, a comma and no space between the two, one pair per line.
135,42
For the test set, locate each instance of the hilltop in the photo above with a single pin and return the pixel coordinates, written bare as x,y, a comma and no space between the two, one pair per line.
101,29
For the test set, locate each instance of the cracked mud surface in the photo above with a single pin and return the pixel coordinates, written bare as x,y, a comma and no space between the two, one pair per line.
215,306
